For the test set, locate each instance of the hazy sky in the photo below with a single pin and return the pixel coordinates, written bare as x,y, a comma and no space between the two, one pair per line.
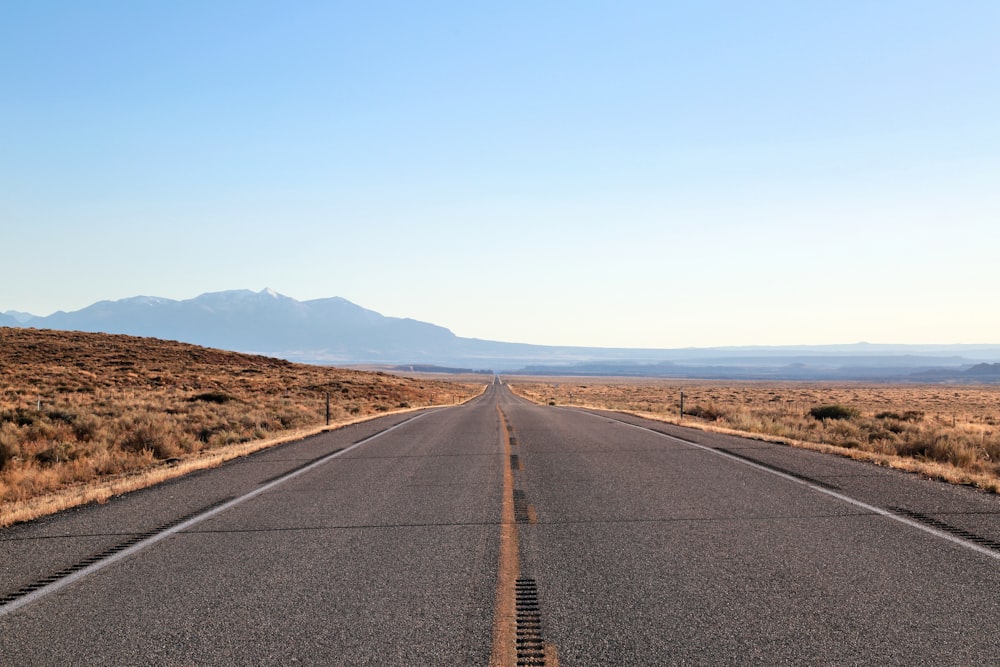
656,174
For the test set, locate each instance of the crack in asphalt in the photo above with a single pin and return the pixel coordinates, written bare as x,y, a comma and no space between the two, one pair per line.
474,524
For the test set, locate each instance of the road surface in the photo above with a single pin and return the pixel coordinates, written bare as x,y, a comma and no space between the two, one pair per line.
502,532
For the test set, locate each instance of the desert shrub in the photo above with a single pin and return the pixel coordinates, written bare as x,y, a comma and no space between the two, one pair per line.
218,397
842,428
57,453
148,437
290,419
61,416
86,429
228,436
20,416
43,431
938,446
108,463
7,453
711,413
834,412
907,416
991,449
896,427
886,435
744,420
205,433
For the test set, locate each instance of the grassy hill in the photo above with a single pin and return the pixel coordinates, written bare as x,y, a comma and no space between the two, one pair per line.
80,409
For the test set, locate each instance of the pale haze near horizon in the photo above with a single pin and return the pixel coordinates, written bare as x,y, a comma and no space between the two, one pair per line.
623,174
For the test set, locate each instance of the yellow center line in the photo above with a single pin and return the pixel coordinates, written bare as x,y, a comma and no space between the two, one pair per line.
504,614
504,652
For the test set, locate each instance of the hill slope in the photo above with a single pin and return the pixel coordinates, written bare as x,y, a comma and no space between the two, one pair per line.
77,406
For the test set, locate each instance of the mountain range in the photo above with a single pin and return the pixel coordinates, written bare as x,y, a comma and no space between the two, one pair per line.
265,322
336,331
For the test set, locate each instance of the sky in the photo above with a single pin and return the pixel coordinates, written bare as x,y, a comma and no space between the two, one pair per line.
622,174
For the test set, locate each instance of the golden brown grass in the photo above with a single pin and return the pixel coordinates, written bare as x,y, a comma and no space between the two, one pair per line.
85,416
943,431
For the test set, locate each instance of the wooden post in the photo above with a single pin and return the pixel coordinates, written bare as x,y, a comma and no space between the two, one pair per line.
682,405
327,408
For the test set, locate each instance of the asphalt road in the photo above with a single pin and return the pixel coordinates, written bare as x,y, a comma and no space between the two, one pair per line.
403,541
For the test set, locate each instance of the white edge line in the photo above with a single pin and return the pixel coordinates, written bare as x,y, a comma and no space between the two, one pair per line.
14,605
815,487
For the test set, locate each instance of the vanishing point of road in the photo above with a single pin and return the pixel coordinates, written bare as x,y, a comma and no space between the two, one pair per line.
501,532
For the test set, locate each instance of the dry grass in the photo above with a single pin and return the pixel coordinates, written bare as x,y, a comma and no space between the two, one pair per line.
942,431
84,416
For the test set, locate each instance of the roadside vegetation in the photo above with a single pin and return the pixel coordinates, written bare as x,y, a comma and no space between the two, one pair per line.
949,432
80,409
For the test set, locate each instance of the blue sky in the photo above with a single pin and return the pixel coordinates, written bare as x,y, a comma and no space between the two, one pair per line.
629,174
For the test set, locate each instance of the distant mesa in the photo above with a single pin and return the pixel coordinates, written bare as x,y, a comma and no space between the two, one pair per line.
431,368
985,370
